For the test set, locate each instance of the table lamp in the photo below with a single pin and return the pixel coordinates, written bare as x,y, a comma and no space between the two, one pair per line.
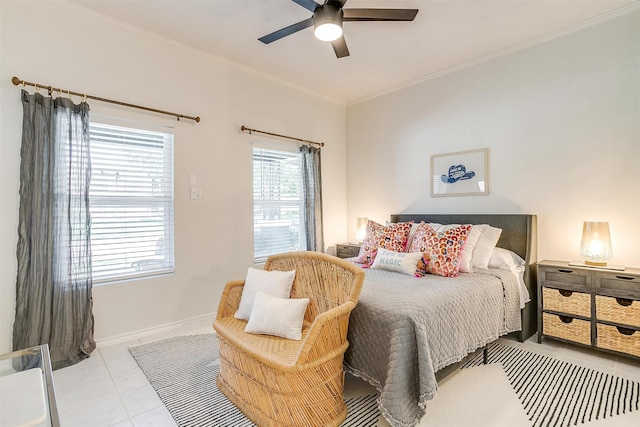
361,228
595,247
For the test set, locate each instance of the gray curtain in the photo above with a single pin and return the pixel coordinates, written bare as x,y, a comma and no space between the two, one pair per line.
312,183
53,288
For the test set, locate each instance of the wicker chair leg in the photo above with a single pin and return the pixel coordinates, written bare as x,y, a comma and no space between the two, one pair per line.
281,407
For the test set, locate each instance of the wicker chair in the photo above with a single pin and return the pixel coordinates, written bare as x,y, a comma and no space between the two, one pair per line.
280,382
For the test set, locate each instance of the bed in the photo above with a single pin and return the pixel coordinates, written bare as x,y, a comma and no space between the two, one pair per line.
406,329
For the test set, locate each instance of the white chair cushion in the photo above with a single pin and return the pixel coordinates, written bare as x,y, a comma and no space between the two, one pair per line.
281,317
275,283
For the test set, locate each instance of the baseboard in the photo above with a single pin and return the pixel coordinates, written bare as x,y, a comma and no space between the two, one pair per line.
141,333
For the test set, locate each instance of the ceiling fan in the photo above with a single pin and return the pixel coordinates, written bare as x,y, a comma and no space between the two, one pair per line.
327,20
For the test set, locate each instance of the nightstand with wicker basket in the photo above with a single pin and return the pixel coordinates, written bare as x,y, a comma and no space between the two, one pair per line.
347,250
590,306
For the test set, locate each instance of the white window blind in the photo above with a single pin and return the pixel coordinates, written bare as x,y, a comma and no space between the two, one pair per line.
278,207
131,203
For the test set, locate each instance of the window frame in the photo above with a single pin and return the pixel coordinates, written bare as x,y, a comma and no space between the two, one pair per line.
165,203
291,151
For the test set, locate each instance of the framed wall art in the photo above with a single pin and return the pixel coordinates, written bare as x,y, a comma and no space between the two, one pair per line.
463,173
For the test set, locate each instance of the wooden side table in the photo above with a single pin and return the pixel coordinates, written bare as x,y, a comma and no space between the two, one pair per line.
592,307
348,250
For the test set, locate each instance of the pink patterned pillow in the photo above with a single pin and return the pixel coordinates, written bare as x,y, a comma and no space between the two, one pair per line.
441,250
392,237
370,242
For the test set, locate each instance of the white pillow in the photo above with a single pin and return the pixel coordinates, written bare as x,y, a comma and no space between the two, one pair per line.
466,256
484,247
281,317
505,259
275,283
469,244
401,262
508,260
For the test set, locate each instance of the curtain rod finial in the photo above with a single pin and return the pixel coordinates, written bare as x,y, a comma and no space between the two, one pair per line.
197,119
16,81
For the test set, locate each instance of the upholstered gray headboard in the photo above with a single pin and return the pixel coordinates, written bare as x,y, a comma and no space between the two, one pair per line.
519,234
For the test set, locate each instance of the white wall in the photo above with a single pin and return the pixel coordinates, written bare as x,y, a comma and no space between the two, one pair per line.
54,43
562,123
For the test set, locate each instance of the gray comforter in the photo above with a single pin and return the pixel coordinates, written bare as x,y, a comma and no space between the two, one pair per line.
404,329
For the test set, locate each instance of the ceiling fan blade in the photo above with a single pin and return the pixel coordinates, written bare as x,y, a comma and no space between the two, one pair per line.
379,14
310,5
283,32
340,47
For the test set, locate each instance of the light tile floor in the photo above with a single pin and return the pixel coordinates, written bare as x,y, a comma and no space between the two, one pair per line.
108,389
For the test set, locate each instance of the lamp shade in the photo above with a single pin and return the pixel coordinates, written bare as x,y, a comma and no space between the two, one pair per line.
361,228
595,248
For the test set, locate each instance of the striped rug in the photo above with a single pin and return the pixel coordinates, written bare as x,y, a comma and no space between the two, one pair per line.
183,369
557,393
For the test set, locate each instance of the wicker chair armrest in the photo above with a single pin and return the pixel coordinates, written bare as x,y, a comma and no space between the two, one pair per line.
327,333
230,299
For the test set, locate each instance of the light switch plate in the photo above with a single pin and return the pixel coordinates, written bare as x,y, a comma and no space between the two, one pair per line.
196,193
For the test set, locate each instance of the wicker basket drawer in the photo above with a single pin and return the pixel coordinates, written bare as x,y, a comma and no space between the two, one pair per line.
618,339
618,310
564,301
566,327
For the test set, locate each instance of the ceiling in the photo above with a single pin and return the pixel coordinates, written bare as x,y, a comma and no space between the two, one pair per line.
384,55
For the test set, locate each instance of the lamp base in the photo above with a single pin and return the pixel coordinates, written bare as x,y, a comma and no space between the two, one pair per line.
600,267
596,264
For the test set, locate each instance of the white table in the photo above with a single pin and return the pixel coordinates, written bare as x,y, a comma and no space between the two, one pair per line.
27,396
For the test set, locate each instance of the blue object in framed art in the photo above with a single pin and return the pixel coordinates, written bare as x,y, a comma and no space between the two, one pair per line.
457,173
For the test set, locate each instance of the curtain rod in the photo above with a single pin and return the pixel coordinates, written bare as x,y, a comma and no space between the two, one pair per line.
16,81
243,128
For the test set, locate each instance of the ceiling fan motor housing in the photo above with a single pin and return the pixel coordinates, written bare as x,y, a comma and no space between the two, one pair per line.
330,13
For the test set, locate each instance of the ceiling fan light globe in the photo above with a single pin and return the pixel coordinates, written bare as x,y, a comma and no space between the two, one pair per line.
328,32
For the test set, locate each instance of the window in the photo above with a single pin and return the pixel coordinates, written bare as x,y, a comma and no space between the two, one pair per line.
131,203
278,206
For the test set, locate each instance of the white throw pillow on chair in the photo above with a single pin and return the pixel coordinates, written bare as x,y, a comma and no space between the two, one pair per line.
281,317
275,283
